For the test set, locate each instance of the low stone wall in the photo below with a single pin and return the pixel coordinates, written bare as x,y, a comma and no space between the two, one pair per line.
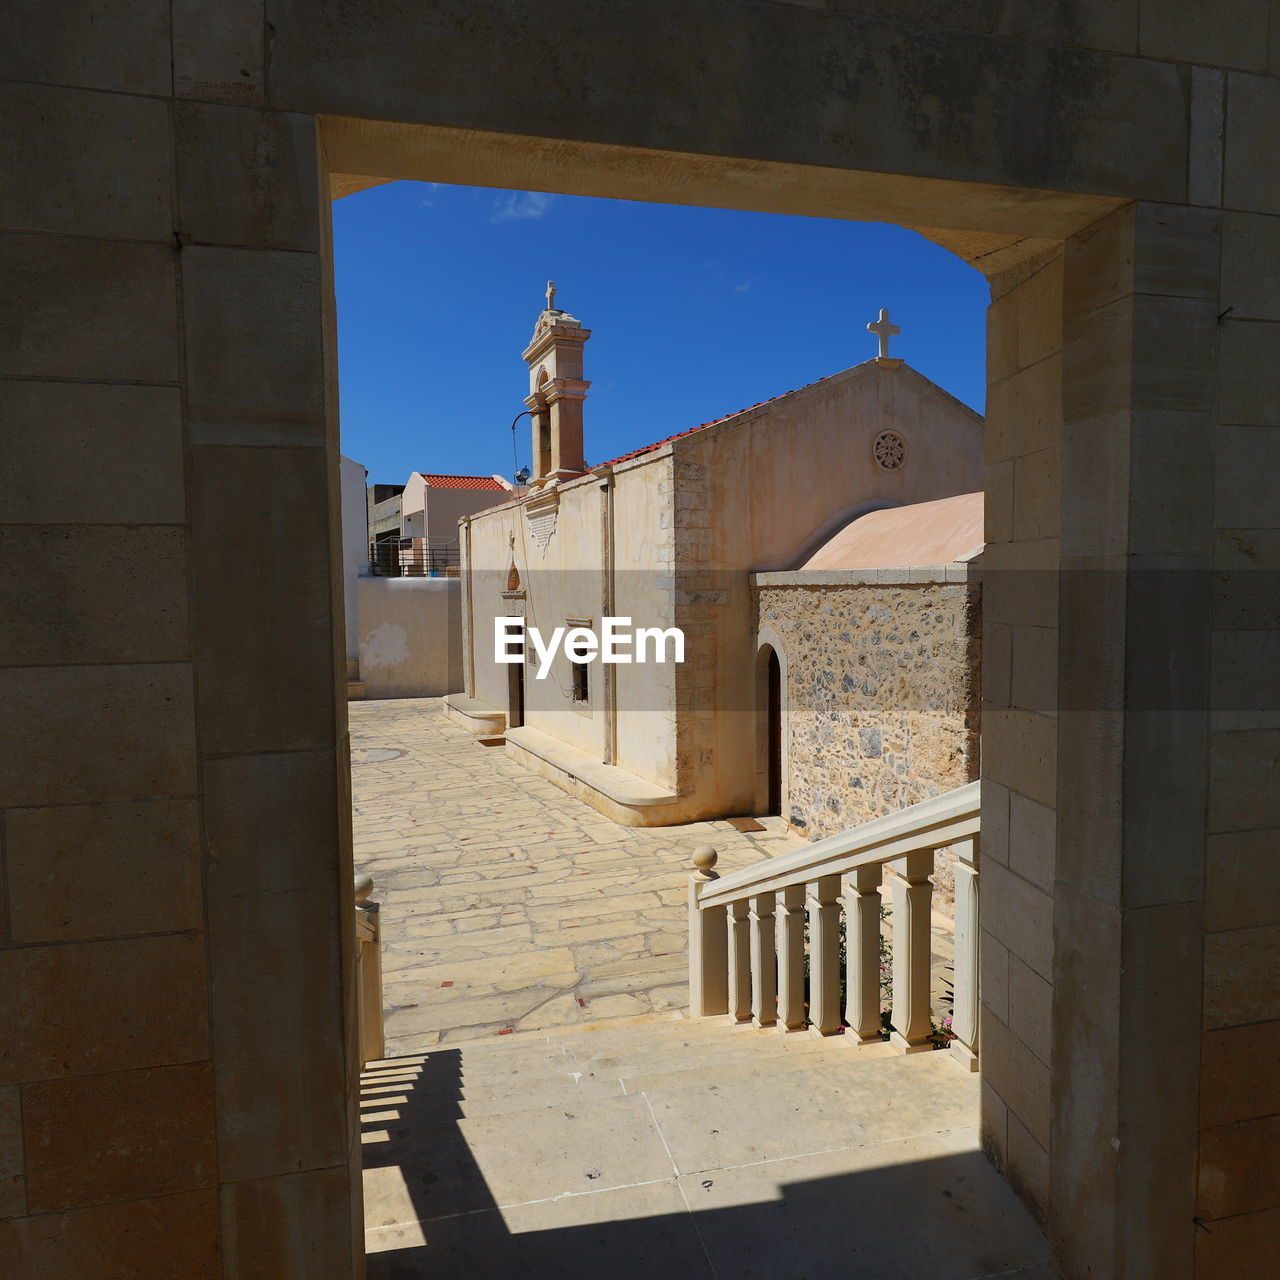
881,701
410,636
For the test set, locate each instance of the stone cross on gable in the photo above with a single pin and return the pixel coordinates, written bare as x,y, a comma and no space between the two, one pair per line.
883,330
551,295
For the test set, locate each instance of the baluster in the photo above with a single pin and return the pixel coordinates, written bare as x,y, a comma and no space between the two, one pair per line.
708,942
964,1016
764,963
739,962
911,893
368,972
791,1012
824,956
862,949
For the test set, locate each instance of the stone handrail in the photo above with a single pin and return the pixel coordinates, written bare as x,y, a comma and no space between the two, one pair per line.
746,930
368,972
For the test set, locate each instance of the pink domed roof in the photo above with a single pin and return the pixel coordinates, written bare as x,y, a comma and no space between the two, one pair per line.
923,533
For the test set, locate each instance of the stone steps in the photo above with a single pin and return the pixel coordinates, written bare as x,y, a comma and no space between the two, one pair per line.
423,1101
476,1082
476,1085
619,1053
483,1156
572,1065
567,1066
427,1111
650,1049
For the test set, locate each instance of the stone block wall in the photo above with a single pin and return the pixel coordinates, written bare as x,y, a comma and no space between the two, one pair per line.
1019,719
880,707
167,364
1240,1017
175,883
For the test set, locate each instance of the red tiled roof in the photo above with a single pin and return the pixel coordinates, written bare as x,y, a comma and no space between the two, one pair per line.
461,482
657,444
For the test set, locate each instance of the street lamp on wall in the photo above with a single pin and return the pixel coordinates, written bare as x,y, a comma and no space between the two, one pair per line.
521,475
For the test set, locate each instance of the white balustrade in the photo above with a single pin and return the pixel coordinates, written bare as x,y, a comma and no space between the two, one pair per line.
964,1015
708,942
739,961
911,893
764,965
862,948
824,956
747,955
791,1010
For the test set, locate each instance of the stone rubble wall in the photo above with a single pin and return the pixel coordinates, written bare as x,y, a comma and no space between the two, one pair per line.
882,699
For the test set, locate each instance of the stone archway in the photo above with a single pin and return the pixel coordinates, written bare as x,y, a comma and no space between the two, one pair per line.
1082,172
772,739
1048,344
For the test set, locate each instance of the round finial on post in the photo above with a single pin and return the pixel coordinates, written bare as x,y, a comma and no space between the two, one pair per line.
705,858
364,887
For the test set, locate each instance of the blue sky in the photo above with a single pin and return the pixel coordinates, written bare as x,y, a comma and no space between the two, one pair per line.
694,313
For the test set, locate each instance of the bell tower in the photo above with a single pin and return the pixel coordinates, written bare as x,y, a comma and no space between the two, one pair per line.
556,392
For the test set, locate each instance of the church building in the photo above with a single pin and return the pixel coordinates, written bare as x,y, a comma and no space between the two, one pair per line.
770,538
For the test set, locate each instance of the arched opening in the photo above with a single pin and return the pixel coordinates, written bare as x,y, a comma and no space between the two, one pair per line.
773,731
238,718
541,428
770,731
1020,250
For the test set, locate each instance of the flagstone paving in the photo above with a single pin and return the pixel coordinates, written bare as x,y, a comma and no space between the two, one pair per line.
505,902
607,1133
639,1148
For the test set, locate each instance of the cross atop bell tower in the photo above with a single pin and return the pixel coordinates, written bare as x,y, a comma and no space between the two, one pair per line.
884,329
556,392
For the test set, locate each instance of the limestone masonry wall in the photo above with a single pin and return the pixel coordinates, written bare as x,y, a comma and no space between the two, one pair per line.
178,1077
881,699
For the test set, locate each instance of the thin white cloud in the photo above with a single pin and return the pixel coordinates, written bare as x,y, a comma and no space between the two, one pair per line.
743,287
518,206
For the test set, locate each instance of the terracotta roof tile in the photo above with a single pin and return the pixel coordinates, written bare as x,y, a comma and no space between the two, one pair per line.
437,481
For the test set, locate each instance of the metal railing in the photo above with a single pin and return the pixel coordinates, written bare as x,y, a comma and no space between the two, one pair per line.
747,948
431,557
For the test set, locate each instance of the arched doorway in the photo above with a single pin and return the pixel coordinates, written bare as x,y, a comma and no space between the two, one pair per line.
1061,273
770,735
773,719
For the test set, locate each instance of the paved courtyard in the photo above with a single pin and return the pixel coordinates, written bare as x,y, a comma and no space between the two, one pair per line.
505,902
